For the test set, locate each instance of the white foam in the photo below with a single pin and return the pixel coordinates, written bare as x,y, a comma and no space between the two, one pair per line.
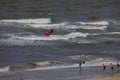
53,67
48,26
4,69
86,27
28,21
46,23
47,63
95,27
96,62
94,23
108,33
53,37
112,33
17,39
14,41
65,25
33,39
77,34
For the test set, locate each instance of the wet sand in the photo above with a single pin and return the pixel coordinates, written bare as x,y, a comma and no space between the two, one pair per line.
106,78
73,73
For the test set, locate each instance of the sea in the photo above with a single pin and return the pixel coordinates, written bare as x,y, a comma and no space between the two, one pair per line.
84,30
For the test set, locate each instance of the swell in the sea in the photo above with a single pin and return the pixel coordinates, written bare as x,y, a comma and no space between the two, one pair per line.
30,32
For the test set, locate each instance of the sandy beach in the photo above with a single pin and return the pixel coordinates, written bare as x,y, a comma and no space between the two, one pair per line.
106,78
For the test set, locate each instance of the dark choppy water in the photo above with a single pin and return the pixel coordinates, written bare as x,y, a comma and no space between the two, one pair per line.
83,29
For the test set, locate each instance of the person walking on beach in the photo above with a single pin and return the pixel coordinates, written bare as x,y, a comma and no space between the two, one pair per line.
104,67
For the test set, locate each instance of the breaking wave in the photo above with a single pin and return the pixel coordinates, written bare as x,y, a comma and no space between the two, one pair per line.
31,39
72,35
46,23
27,21
90,61
100,23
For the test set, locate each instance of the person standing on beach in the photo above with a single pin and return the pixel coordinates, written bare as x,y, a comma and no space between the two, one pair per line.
80,63
104,67
118,66
112,68
83,61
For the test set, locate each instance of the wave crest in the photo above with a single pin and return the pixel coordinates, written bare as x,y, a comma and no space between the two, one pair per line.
28,21
100,23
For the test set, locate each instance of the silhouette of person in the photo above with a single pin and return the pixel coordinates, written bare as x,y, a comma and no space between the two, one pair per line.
112,68
51,30
104,67
118,66
80,63
84,62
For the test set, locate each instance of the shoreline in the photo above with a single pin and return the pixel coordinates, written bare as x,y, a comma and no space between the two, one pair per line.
48,65
70,73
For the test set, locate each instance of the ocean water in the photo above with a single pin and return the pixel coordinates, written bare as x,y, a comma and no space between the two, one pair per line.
83,30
